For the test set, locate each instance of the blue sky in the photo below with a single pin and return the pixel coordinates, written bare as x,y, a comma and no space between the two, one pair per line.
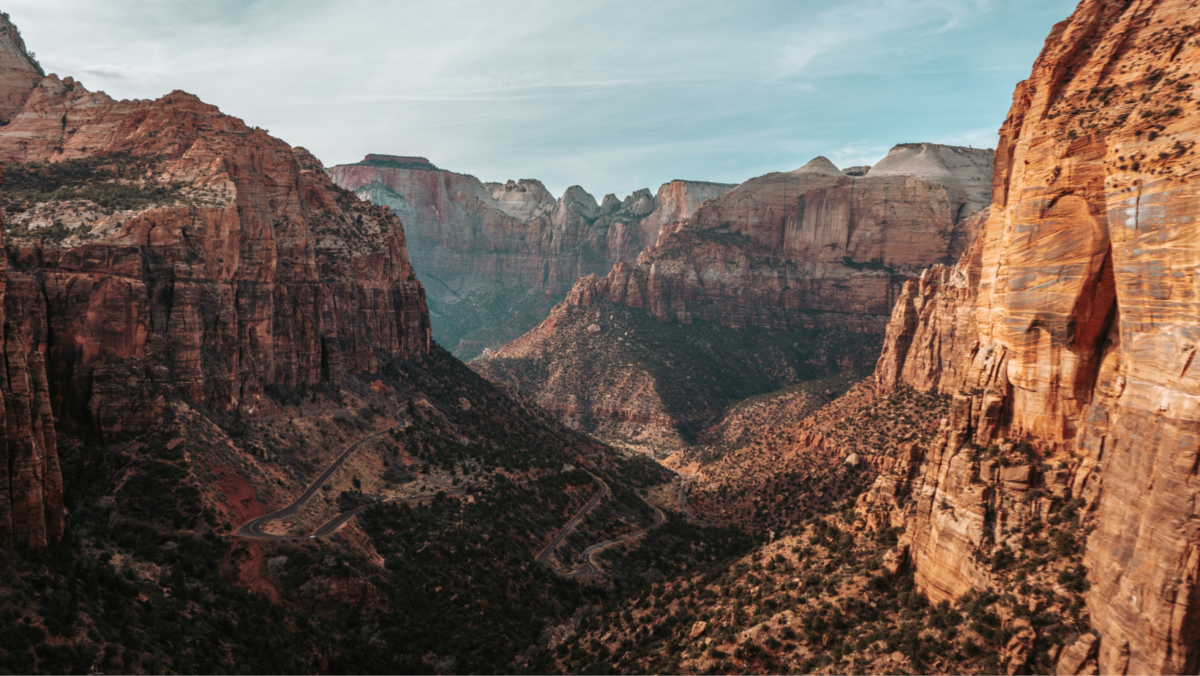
612,95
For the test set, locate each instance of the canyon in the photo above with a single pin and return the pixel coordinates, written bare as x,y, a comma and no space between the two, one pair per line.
940,414
790,277
1058,457
495,257
196,320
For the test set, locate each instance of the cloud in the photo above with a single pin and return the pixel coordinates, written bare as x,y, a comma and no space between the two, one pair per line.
108,72
613,95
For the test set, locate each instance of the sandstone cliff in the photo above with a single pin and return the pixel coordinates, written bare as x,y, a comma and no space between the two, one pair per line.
484,248
812,260
167,250
1073,326
31,501
19,71
810,248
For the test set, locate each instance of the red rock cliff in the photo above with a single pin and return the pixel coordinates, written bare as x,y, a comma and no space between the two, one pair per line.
245,266
514,234
809,248
19,72
1074,325
260,272
31,505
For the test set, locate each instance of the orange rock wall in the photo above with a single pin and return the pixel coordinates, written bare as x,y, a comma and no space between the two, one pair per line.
1075,323
797,249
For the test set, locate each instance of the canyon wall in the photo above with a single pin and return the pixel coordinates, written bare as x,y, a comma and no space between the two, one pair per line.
790,277
31,503
515,233
478,245
1072,326
167,250
811,248
19,72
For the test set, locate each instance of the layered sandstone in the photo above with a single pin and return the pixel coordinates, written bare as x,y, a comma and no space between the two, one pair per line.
252,269
31,503
516,234
1074,326
810,248
813,257
482,244
19,71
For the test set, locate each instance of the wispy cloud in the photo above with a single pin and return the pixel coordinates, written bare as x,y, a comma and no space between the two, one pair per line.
613,95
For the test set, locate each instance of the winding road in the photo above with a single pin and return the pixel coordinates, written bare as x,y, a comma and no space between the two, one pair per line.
253,527
590,568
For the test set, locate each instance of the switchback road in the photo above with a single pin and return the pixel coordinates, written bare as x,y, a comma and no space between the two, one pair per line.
254,527
590,568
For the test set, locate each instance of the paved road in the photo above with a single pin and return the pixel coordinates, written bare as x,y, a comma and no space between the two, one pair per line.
544,556
253,527
333,525
299,414
590,568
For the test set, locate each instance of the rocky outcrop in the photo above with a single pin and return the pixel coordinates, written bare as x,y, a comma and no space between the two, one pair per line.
19,71
810,248
483,248
259,272
239,265
1073,326
813,258
515,233
31,501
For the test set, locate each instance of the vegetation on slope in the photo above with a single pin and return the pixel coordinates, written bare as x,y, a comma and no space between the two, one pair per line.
150,579
686,374
821,599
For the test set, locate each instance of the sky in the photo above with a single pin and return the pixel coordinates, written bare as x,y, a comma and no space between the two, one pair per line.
611,95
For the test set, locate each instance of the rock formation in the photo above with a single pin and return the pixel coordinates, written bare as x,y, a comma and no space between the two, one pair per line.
19,71
482,248
1072,325
811,248
31,501
212,261
813,252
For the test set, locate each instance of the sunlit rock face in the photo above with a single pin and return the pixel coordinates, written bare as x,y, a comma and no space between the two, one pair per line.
814,257
812,247
19,72
1074,324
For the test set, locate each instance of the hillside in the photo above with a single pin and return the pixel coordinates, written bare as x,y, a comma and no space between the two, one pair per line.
201,330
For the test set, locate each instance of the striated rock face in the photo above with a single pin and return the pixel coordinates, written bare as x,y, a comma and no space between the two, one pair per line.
1074,325
516,233
31,501
479,245
19,72
809,248
268,274
235,265
813,257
